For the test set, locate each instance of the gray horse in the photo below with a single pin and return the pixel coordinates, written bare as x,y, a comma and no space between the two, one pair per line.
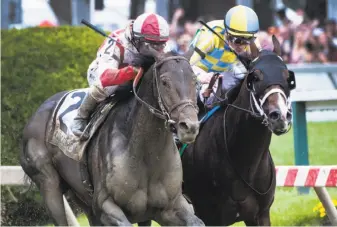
132,162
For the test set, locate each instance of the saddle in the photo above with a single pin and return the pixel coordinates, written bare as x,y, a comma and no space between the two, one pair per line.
122,92
60,133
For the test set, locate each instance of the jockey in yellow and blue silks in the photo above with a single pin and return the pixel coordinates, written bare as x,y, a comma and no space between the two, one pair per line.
213,54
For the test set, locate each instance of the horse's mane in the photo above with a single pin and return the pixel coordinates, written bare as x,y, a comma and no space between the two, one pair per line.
145,61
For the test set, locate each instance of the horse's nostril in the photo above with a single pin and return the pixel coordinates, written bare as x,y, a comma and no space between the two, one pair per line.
275,115
183,126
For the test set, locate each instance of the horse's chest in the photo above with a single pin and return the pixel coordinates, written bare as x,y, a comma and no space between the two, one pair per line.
136,186
239,192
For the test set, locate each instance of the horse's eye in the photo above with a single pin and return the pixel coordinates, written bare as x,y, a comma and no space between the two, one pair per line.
258,75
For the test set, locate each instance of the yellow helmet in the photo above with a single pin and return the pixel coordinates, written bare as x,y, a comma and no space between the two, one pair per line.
241,21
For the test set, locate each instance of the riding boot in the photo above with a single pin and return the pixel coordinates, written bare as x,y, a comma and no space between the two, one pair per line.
81,120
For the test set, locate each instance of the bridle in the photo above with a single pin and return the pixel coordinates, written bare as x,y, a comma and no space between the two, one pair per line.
256,110
256,104
164,113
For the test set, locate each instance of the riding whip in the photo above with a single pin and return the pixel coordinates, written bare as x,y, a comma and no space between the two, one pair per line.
100,31
214,32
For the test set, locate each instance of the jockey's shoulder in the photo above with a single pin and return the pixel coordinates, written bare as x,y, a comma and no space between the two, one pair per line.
216,25
117,32
258,44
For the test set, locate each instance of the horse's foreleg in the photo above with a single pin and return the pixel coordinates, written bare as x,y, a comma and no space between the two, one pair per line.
92,218
181,213
262,219
111,214
145,223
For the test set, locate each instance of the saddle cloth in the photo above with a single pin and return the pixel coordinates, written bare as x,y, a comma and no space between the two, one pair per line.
60,133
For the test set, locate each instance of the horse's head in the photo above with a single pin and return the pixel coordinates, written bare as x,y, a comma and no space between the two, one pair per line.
269,83
174,86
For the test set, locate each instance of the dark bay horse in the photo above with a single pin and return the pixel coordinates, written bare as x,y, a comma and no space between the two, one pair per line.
228,171
133,163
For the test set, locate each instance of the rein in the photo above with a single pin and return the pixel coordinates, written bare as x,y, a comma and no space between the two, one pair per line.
230,161
163,113
254,103
256,111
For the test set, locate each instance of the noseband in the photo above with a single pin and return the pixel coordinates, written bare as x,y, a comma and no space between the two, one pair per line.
163,113
256,105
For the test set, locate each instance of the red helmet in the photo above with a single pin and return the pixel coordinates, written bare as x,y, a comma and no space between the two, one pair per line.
151,27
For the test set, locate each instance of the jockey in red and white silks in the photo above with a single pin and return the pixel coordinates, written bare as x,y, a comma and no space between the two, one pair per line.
112,64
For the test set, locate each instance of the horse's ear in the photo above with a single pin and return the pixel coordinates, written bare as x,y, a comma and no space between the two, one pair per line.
254,51
277,46
188,54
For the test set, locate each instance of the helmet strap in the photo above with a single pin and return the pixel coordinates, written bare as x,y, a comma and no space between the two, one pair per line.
133,40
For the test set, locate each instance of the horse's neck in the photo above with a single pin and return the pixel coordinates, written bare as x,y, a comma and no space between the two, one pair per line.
248,139
147,124
146,131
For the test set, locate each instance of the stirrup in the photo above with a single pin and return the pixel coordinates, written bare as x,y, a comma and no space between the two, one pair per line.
85,135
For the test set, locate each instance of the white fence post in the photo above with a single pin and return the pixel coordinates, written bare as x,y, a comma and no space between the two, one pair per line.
330,209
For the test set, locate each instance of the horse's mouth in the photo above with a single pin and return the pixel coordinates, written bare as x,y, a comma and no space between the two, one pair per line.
280,132
188,139
185,138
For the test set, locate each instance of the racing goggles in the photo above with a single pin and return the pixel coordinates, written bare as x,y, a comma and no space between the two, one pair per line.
158,46
240,40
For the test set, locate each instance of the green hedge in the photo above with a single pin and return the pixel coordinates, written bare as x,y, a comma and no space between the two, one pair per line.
35,64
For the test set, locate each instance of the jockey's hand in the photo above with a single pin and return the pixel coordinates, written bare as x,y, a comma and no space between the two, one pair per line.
205,78
135,70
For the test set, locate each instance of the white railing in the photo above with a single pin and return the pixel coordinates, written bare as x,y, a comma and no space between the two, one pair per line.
14,175
317,88
317,177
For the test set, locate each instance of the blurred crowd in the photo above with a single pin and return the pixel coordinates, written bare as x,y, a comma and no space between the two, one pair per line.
302,40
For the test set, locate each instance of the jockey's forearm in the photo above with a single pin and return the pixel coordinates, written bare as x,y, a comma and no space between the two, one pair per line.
203,77
112,77
195,58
